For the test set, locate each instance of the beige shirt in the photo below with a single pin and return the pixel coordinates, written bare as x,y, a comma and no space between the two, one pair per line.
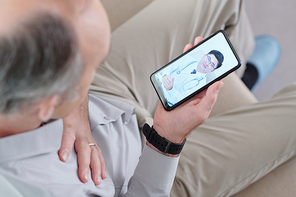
30,166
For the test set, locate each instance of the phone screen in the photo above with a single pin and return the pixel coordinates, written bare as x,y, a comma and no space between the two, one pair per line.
195,70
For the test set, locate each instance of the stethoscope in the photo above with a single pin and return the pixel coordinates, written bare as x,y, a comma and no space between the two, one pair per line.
198,79
178,69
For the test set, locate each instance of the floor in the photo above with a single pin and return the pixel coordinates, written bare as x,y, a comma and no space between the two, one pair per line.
278,19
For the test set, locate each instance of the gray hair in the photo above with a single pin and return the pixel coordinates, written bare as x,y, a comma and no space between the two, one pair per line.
38,59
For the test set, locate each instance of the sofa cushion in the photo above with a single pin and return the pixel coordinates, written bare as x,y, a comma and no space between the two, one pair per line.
279,182
120,11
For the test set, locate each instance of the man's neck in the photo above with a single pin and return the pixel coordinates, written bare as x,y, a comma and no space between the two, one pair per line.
199,70
19,123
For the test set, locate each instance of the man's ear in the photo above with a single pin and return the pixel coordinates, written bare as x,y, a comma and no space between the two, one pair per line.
46,107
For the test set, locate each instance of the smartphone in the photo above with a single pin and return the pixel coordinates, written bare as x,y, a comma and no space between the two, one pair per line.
195,70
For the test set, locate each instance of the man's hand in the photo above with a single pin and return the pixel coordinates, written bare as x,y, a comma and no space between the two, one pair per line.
178,123
77,132
168,82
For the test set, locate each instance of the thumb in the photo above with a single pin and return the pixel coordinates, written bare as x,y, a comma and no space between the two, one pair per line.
208,101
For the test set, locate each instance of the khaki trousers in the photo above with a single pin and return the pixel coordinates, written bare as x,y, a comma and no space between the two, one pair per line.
236,145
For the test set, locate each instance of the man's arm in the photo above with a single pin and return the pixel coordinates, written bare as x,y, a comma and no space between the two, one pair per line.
77,132
154,174
155,167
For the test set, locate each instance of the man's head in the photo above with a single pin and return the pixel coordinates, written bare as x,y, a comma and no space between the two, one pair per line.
210,62
49,51
40,58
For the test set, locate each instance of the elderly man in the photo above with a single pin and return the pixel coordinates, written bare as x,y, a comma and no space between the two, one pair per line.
50,51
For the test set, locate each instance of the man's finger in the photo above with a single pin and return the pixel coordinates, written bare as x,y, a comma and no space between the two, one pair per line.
97,162
198,40
68,140
103,164
208,101
95,165
187,47
83,154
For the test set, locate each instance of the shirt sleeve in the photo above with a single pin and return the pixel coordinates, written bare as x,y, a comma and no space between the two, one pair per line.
173,96
154,175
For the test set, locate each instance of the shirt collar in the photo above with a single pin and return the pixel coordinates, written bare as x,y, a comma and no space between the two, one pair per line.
103,110
36,142
48,137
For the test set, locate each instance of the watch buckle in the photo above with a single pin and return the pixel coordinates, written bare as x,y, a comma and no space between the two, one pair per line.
167,147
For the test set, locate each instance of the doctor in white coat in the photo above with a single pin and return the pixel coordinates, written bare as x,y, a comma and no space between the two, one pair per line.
188,74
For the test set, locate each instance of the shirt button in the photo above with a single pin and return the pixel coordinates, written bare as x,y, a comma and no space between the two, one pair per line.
106,118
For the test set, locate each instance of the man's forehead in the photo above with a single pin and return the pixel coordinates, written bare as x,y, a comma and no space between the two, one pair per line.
213,58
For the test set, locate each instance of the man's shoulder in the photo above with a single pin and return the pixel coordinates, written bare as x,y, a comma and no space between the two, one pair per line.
104,110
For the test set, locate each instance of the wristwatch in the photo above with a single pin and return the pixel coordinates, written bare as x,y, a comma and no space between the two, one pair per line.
161,143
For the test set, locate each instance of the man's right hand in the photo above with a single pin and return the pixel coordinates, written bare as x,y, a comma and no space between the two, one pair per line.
168,82
175,125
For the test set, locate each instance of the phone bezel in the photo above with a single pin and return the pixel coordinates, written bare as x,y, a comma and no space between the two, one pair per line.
158,89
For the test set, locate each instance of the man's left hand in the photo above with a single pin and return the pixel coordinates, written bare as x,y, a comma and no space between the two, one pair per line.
77,132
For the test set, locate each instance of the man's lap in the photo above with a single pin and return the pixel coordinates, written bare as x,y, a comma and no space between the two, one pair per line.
147,42
234,149
151,39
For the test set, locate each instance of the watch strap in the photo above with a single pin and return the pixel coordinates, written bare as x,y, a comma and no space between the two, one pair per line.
161,143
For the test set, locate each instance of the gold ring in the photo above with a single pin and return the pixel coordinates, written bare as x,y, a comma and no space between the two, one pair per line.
91,144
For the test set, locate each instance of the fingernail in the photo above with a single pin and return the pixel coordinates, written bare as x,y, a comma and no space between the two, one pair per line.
86,176
98,179
104,175
219,86
65,155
